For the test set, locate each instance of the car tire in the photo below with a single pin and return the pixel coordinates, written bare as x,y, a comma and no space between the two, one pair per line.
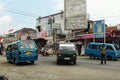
109,57
58,62
32,62
15,62
8,60
74,62
92,56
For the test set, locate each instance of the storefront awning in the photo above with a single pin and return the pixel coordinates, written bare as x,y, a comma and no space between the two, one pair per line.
89,36
85,36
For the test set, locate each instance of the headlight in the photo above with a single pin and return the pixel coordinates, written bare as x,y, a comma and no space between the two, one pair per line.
59,54
74,54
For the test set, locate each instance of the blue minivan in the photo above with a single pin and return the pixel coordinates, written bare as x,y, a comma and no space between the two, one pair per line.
93,50
22,51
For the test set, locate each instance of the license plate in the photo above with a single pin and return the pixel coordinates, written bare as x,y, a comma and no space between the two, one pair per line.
67,58
28,52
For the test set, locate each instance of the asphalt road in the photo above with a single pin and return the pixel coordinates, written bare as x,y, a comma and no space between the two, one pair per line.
46,69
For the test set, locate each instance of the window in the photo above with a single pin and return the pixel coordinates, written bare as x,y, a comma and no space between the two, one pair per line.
99,47
27,44
94,46
14,46
67,47
8,48
109,48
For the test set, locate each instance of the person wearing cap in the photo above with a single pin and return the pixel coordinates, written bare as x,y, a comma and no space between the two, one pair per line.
103,54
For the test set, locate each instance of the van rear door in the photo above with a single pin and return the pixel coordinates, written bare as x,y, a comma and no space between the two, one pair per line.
28,46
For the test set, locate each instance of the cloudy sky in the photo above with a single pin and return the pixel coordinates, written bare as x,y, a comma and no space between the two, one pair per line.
16,14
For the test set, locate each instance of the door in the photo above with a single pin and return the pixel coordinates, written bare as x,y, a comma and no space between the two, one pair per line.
110,52
9,53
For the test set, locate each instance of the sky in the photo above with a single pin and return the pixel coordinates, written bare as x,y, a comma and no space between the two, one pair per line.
17,14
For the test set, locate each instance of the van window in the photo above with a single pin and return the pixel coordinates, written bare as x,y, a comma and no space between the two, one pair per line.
109,48
94,46
68,47
9,48
14,46
89,46
27,44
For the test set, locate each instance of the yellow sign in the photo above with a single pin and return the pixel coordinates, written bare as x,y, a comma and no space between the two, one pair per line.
28,52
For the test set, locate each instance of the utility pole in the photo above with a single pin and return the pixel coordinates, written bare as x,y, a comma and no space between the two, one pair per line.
53,30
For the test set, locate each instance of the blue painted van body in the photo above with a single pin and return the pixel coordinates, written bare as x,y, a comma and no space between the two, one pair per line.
93,50
22,51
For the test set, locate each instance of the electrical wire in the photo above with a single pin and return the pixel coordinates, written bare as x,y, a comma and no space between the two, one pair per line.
28,23
20,13
15,11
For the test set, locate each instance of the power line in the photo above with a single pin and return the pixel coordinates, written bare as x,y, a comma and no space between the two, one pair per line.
15,12
28,23
20,14
109,17
22,11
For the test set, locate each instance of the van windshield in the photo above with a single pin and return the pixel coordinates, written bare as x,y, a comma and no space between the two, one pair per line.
27,44
67,47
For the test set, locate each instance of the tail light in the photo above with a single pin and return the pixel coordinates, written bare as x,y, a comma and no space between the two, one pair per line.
74,54
59,54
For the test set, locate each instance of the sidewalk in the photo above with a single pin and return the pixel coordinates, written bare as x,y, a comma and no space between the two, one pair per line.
83,57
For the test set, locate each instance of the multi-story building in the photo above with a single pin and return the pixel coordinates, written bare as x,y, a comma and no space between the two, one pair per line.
51,27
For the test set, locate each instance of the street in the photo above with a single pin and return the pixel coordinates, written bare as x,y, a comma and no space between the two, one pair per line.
46,69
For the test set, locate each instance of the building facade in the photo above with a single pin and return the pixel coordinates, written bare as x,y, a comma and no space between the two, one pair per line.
51,27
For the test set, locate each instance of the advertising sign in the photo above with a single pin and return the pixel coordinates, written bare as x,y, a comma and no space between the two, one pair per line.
99,29
75,14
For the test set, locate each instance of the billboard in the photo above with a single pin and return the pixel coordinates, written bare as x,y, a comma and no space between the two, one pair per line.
99,29
75,14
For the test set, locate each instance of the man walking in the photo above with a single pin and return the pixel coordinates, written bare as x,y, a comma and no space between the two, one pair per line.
103,54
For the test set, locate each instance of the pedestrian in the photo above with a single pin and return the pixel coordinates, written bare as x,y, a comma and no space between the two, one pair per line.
79,49
103,54
1,49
